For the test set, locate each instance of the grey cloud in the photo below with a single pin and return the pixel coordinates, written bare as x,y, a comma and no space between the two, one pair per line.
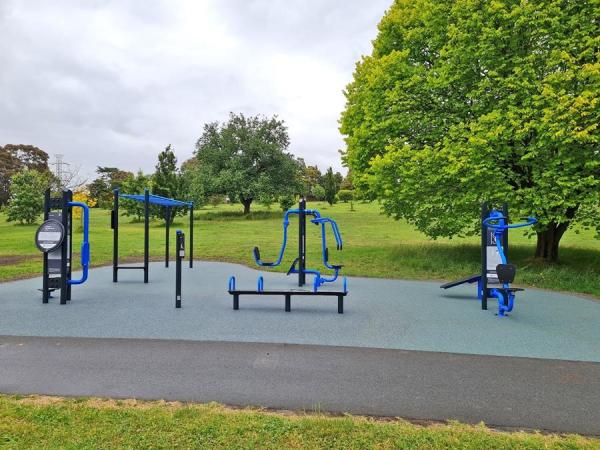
113,82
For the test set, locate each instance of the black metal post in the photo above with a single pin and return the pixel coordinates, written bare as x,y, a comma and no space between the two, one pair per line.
192,235
167,229
64,250
302,243
69,242
484,242
146,232
505,234
180,245
236,301
45,275
288,302
340,304
115,226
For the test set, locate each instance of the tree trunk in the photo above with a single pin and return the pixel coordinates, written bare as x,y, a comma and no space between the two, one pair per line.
548,241
246,202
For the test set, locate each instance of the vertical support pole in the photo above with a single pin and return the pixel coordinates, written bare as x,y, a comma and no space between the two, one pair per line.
64,249
236,301
340,304
146,232
505,234
288,302
115,226
191,235
69,243
45,275
167,230
484,242
302,243
180,245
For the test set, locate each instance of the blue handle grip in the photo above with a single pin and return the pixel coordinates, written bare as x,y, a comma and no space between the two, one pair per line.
85,245
503,226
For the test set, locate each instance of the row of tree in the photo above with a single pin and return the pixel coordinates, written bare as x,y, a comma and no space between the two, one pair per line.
243,160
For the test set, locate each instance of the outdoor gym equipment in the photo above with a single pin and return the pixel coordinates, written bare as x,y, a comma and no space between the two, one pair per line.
498,224
260,290
148,199
299,264
496,274
53,239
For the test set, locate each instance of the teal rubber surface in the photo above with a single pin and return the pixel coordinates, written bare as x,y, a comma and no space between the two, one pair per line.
379,313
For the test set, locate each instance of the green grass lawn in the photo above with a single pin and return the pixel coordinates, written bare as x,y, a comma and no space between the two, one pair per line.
44,422
374,246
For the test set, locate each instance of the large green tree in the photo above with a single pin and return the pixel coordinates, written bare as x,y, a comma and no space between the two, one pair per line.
331,184
26,201
247,159
14,159
135,184
109,178
167,181
467,101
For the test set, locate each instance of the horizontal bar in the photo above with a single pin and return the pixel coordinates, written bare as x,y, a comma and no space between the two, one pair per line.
326,293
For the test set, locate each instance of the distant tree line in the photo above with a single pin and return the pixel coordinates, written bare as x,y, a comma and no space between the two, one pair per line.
244,160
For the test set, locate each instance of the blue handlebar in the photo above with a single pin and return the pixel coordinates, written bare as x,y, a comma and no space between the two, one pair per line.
85,245
286,222
505,226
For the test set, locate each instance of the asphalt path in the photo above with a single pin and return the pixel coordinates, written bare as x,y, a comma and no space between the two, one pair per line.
556,395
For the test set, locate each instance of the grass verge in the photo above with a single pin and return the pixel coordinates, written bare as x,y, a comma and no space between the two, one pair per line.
50,422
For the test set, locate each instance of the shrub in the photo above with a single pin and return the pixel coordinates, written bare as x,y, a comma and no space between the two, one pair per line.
318,192
346,195
26,201
286,202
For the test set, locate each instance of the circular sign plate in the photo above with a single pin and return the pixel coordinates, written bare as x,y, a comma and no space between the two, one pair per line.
49,236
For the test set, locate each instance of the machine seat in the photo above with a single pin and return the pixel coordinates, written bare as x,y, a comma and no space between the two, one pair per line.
506,273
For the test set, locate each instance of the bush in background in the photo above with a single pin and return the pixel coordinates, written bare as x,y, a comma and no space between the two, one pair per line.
26,201
286,202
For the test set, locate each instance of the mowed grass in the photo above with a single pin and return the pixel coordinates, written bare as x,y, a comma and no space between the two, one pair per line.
45,422
374,246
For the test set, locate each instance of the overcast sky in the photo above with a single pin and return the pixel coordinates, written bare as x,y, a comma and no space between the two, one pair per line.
111,83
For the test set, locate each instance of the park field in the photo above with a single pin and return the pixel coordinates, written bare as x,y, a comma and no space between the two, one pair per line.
50,422
374,246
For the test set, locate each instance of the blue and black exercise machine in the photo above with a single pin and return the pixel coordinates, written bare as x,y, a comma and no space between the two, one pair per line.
299,264
54,239
496,273
168,204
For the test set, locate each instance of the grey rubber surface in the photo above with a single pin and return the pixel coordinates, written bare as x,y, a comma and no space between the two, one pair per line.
391,314
509,392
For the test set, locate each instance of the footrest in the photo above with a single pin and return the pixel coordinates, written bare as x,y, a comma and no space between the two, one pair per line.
292,268
514,289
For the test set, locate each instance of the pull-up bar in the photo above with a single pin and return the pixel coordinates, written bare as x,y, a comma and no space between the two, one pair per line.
148,199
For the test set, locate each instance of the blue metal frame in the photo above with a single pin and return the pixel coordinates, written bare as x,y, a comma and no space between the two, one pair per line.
85,244
319,279
497,222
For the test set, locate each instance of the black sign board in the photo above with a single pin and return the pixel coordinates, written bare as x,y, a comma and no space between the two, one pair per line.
49,236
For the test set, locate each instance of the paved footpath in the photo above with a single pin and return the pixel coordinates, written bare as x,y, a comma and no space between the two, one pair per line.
545,394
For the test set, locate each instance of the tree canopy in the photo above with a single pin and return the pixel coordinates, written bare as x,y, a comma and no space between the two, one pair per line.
14,159
468,101
27,196
247,159
109,178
